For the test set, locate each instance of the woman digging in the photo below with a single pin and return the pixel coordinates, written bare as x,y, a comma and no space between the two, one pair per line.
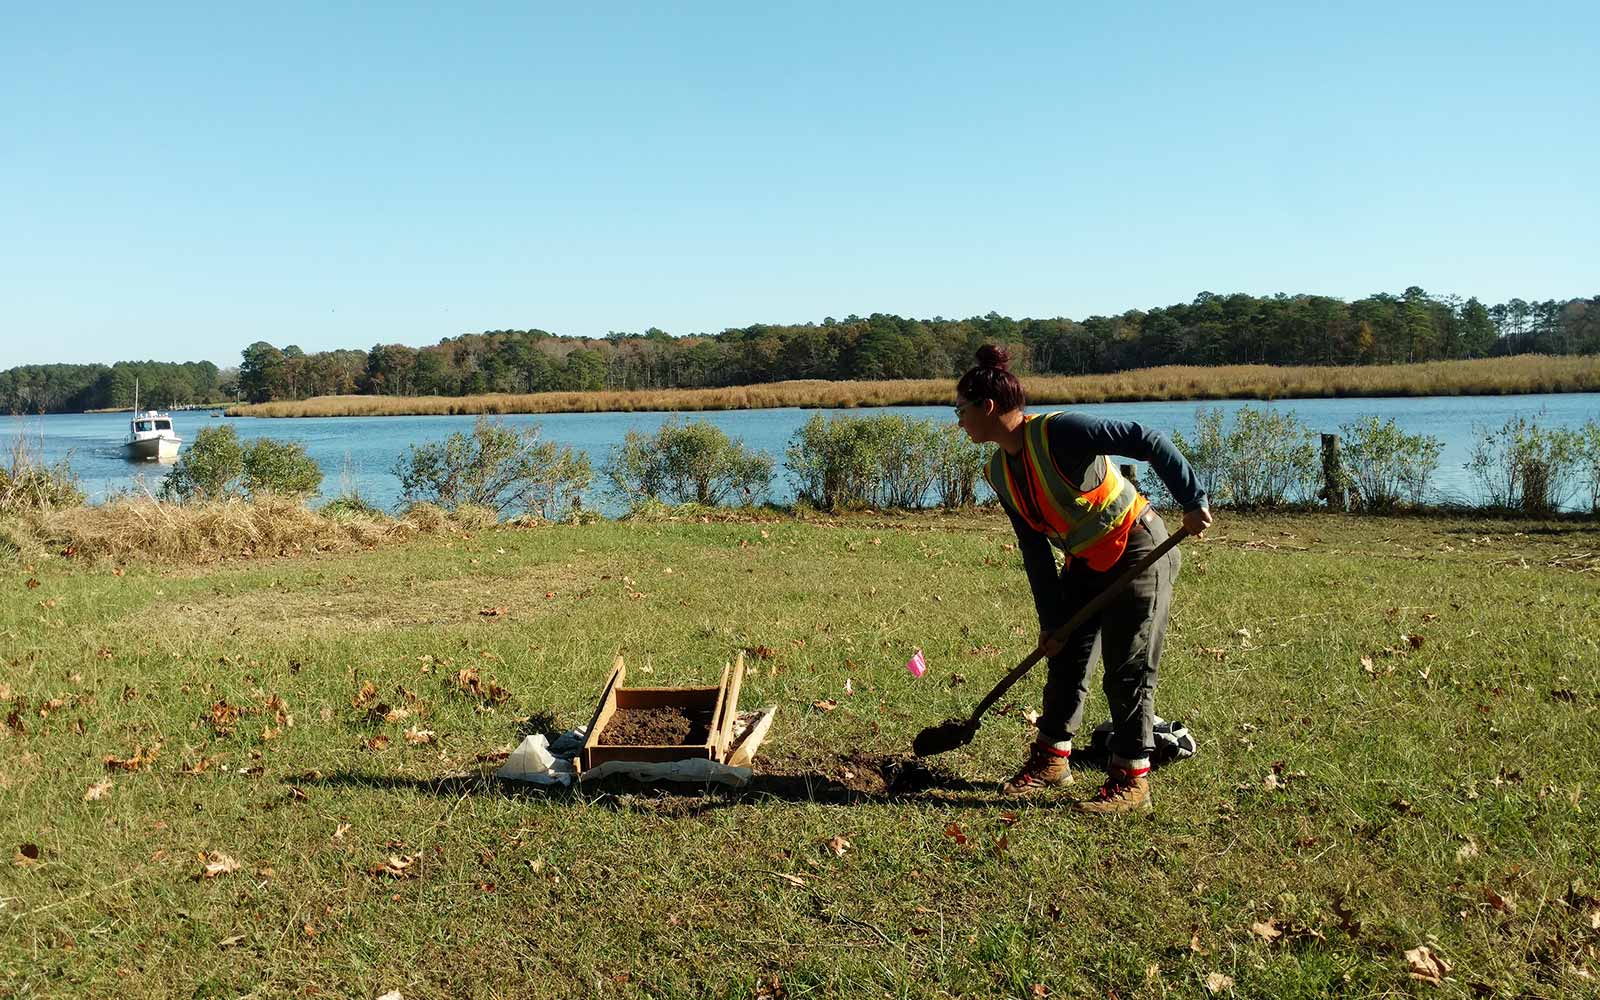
1054,477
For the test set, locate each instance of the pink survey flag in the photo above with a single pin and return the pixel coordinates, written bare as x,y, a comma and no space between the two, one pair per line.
917,665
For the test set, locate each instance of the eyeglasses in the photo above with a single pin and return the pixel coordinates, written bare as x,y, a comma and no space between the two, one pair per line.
961,408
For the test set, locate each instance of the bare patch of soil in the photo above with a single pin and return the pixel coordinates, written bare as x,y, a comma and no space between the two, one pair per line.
668,725
894,774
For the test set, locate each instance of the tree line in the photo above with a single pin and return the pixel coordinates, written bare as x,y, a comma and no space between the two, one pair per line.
67,388
1211,330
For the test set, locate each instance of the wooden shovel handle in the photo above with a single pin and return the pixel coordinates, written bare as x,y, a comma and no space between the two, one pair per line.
1086,612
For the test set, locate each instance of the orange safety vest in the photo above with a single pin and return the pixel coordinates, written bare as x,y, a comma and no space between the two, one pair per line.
1092,526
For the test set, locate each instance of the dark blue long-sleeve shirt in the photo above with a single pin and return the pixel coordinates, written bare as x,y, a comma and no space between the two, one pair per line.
1080,445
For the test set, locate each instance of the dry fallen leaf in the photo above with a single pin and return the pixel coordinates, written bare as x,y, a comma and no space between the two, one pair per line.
1416,641
1466,852
420,737
98,790
392,995
232,941
141,757
378,742
368,692
1499,902
494,612
953,831
1271,782
1368,665
794,880
396,715
1216,982
199,766
825,704
223,717
343,829
838,845
216,863
1267,930
397,866
1426,966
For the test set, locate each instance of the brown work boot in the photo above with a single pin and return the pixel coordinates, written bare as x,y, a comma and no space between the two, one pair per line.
1122,793
1046,767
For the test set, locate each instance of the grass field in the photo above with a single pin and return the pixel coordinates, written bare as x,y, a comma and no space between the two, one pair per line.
1483,377
1358,793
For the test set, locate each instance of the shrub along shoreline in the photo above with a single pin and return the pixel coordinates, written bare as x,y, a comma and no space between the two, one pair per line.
1527,373
224,499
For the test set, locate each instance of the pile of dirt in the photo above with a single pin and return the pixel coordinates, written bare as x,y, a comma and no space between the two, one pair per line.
666,726
894,774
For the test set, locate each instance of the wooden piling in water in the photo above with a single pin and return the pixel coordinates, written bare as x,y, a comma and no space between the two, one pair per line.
1333,484
1128,474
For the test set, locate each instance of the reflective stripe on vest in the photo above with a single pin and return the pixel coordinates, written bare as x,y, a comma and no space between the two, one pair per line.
1074,520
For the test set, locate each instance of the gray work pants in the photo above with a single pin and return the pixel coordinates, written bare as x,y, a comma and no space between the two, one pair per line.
1128,633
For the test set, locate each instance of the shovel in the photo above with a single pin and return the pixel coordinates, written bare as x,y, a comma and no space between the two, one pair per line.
953,733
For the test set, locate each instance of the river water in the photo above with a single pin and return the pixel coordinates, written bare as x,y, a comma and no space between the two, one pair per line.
359,453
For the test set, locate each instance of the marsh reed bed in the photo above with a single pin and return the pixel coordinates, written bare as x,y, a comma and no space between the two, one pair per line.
1489,376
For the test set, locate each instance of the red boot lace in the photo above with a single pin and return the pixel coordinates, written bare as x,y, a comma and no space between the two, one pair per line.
1114,786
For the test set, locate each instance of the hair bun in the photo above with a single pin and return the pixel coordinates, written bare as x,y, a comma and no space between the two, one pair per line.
991,356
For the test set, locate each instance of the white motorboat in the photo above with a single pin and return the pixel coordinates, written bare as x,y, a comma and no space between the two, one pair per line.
150,435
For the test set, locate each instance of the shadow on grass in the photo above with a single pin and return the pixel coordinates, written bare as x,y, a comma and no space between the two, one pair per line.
854,779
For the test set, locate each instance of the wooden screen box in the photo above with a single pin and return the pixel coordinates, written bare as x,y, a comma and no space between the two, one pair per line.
710,712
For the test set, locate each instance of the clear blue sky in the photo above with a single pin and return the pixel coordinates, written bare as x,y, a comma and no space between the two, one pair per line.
177,182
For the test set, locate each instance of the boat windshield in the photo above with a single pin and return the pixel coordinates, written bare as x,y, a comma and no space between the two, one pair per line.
163,425
144,425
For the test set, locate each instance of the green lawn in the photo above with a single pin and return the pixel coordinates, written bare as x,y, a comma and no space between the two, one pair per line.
1444,795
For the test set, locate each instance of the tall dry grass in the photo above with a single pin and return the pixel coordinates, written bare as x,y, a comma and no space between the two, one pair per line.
28,484
1483,377
206,532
